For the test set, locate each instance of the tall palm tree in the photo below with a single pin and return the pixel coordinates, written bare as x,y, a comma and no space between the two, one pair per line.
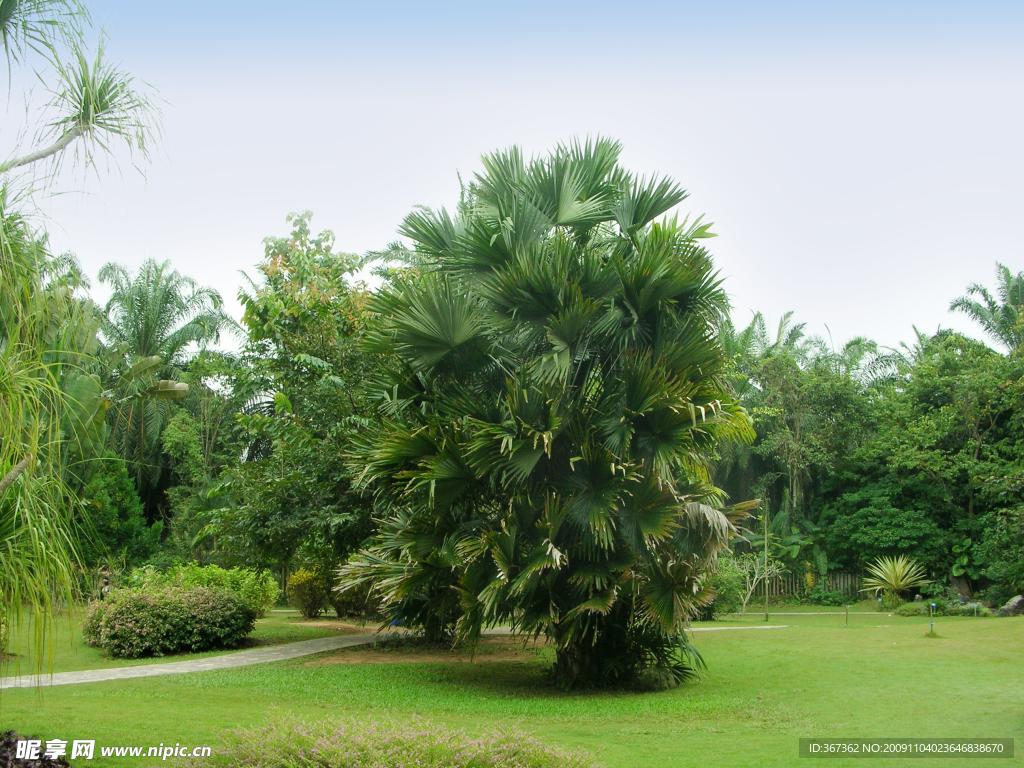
154,321
547,429
999,316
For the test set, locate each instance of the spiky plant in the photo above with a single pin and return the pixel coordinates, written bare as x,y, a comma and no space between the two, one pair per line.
546,432
892,576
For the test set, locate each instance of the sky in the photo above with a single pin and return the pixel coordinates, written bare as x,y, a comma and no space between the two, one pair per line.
861,162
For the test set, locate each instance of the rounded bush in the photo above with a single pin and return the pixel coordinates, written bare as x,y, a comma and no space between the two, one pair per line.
132,623
308,591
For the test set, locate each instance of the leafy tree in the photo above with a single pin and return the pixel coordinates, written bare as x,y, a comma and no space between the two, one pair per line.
300,375
925,483
114,526
1000,315
543,450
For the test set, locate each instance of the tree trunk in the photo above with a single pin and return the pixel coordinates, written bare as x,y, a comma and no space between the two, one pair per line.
11,476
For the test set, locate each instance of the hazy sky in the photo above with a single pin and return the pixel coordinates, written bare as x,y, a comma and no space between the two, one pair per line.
862,162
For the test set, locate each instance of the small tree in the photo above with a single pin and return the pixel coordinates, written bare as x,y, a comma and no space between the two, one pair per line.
756,570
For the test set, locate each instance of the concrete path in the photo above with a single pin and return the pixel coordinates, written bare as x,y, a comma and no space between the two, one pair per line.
231,660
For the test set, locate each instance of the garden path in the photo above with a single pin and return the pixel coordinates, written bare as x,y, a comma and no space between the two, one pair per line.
239,659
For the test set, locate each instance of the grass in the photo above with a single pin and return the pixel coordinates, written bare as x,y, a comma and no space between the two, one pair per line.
880,677
70,653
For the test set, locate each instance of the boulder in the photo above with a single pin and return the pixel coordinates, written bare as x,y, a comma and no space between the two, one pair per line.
1014,607
962,588
918,598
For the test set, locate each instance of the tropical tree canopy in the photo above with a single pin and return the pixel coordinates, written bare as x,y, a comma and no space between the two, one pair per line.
1000,315
153,322
551,416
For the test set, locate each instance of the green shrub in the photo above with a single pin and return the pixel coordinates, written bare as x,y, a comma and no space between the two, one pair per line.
942,608
968,609
258,589
835,598
354,601
308,591
132,623
912,609
288,741
727,585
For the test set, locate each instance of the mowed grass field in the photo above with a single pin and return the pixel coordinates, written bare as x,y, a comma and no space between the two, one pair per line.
762,691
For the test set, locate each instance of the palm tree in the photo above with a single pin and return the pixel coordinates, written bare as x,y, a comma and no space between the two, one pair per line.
547,430
1000,315
153,321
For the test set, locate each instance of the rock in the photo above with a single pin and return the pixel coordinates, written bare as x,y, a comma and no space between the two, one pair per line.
1014,607
962,588
918,598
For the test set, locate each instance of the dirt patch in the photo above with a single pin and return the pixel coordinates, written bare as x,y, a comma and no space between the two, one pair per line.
339,625
489,649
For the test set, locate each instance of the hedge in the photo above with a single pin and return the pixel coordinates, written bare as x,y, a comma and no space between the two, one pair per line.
257,588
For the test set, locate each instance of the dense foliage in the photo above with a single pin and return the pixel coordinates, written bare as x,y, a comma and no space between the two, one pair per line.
538,417
301,375
114,522
133,623
550,415
256,588
865,453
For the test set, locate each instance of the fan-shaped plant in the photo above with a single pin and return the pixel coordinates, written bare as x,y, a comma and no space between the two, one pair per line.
547,430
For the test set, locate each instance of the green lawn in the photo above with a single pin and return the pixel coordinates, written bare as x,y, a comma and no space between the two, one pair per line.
70,653
881,677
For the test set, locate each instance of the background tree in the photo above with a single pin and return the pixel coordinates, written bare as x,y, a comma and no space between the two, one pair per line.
1000,315
154,321
300,377
547,427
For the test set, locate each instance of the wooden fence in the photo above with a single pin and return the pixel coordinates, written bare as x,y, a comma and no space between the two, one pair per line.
795,584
